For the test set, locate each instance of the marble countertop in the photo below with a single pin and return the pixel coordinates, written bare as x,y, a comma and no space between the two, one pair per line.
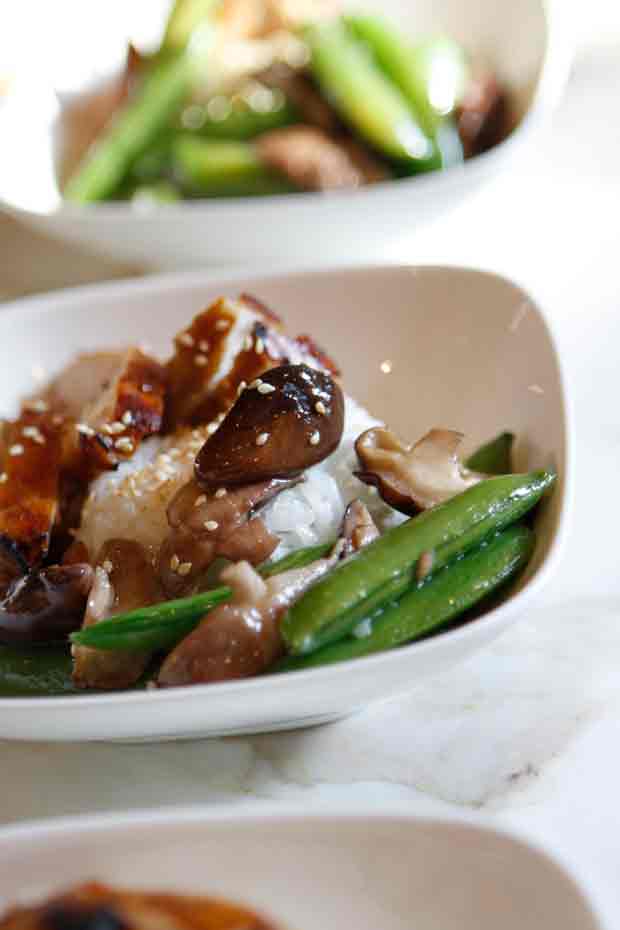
526,732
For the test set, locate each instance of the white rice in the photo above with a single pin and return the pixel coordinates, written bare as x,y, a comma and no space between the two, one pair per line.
131,502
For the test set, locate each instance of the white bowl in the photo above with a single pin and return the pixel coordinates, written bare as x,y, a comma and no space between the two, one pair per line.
466,349
309,872
526,42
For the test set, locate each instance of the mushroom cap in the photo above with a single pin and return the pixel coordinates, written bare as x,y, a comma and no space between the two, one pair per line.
45,606
283,423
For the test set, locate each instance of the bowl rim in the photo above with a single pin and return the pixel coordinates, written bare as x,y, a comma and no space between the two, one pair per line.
559,46
167,283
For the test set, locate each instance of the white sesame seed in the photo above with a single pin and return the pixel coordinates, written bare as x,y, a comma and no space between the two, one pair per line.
221,492
127,418
124,444
247,343
203,345
85,429
211,525
38,405
222,325
320,407
241,388
261,439
212,427
117,427
265,388
200,360
200,500
186,339
3,477
259,346
174,562
147,388
16,449
108,567
315,438
184,568
255,384
34,433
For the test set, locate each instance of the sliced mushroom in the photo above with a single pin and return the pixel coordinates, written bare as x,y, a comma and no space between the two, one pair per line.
413,478
309,158
124,580
358,527
282,424
43,607
242,637
217,523
482,118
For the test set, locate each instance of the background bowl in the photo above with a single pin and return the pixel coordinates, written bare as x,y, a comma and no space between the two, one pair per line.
525,42
311,872
420,347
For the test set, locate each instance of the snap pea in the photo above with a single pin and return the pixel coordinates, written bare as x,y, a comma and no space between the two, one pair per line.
239,121
429,606
132,131
162,626
186,16
42,671
323,614
431,75
366,100
494,457
216,168
156,192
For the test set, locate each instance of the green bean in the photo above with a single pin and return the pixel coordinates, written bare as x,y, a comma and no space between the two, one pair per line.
430,76
494,457
239,121
214,168
132,131
184,19
322,615
427,607
36,671
162,626
155,192
366,100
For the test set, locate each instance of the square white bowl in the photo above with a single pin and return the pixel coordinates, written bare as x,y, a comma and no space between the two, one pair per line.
308,871
419,347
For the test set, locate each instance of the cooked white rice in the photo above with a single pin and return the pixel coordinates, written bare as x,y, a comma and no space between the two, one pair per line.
131,502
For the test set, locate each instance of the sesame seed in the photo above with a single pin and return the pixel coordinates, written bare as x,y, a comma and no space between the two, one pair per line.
16,449
147,388
127,418
3,477
203,345
38,405
124,444
222,325
186,339
184,568
34,433
201,360
265,388
212,427
200,500
211,525
255,384
108,567
315,438
241,388
221,492
116,428
261,439
259,346
320,407
174,562
247,343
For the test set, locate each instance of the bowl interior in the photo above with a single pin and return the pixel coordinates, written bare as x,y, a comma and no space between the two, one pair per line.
314,873
512,38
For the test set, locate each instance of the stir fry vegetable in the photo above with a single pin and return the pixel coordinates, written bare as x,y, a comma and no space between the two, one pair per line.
494,457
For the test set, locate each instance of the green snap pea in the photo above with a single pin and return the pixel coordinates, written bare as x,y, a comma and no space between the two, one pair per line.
186,16
241,121
427,607
323,614
494,457
216,168
370,103
161,626
37,671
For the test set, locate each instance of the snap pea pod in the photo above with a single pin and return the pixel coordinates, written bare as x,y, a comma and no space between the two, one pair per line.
429,606
186,16
323,614
241,121
431,76
133,130
37,671
215,168
494,457
371,104
162,626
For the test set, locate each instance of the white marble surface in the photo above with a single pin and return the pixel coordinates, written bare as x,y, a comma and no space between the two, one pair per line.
528,731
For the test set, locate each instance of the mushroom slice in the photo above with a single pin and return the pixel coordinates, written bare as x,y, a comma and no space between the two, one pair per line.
358,527
124,579
413,478
482,118
309,158
45,606
242,637
287,421
217,523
